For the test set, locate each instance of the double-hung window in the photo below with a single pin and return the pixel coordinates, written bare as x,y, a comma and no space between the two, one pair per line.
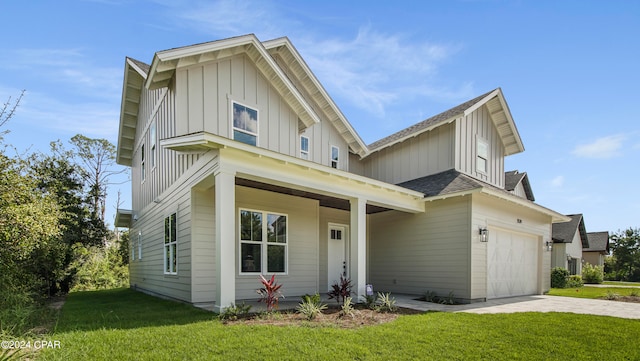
139,245
245,124
263,242
170,245
335,156
304,147
483,155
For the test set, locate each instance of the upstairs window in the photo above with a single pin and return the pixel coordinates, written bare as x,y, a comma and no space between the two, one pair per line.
245,124
335,156
483,156
170,245
142,169
304,147
152,136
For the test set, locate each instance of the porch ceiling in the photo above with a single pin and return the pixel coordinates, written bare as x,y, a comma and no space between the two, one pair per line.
325,201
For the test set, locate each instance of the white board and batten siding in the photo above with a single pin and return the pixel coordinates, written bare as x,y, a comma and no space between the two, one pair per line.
516,232
415,253
479,125
425,154
204,96
302,243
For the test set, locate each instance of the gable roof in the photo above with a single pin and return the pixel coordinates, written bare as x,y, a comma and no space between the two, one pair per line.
564,232
290,60
135,73
598,242
452,183
498,109
513,178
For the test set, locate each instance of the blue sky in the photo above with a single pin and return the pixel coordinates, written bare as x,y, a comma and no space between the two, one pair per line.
569,71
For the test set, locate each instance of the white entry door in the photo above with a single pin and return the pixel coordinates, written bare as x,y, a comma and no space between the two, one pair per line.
512,264
337,254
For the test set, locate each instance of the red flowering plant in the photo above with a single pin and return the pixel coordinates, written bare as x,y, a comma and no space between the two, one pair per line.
270,292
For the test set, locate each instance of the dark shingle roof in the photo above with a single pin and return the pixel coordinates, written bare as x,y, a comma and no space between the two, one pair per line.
450,181
564,232
446,115
513,178
143,66
598,242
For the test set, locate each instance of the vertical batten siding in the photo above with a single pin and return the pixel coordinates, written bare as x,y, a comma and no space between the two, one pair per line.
414,253
328,215
204,93
488,212
148,273
425,154
468,129
302,260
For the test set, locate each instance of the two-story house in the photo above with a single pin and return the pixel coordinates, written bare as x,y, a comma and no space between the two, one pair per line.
569,239
243,165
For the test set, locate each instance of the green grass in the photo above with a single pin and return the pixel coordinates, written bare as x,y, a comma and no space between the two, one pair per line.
126,325
621,283
590,292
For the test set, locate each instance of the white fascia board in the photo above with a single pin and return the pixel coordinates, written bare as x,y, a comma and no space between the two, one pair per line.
294,52
250,160
555,216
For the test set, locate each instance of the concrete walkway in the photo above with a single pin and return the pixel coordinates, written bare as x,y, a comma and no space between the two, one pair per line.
541,303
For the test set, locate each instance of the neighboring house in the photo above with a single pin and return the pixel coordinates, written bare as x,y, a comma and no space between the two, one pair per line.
598,248
569,239
242,165
518,184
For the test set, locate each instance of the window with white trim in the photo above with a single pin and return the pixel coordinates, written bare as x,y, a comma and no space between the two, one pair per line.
245,124
153,140
139,245
142,170
335,156
482,160
263,242
170,244
304,147
133,250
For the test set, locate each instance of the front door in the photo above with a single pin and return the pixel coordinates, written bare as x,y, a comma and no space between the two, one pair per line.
337,254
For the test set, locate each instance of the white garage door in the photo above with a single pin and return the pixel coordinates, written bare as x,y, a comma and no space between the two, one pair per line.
512,264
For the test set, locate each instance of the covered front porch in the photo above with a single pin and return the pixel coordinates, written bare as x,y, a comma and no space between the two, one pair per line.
277,214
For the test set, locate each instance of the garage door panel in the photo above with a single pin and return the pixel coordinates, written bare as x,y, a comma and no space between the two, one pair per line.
512,264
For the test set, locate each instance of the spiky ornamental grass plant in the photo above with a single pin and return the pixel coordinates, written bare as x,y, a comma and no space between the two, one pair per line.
270,292
341,289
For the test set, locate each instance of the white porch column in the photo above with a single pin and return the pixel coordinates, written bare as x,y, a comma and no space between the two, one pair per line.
225,208
358,246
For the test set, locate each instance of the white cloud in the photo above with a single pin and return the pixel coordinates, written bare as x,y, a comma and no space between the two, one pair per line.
557,182
601,148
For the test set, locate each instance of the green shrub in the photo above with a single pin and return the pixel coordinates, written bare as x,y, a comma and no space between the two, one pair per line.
386,303
449,300
634,293
559,277
575,281
611,296
98,268
370,301
311,306
234,312
347,308
430,296
592,274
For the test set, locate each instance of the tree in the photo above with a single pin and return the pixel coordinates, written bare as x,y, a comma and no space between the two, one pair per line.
7,111
97,160
626,254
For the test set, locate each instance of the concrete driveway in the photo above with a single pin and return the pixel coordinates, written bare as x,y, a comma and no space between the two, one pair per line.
541,303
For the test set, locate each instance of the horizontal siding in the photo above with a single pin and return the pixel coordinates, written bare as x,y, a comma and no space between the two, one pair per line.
414,253
428,153
203,251
303,260
148,273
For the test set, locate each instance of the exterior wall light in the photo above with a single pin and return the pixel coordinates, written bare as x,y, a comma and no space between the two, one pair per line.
549,245
484,234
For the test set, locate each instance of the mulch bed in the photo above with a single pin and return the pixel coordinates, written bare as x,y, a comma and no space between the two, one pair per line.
633,299
328,318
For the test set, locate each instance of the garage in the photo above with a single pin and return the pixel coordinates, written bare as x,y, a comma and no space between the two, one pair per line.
512,264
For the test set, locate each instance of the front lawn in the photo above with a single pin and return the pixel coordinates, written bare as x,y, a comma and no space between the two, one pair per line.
592,292
621,283
126,325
